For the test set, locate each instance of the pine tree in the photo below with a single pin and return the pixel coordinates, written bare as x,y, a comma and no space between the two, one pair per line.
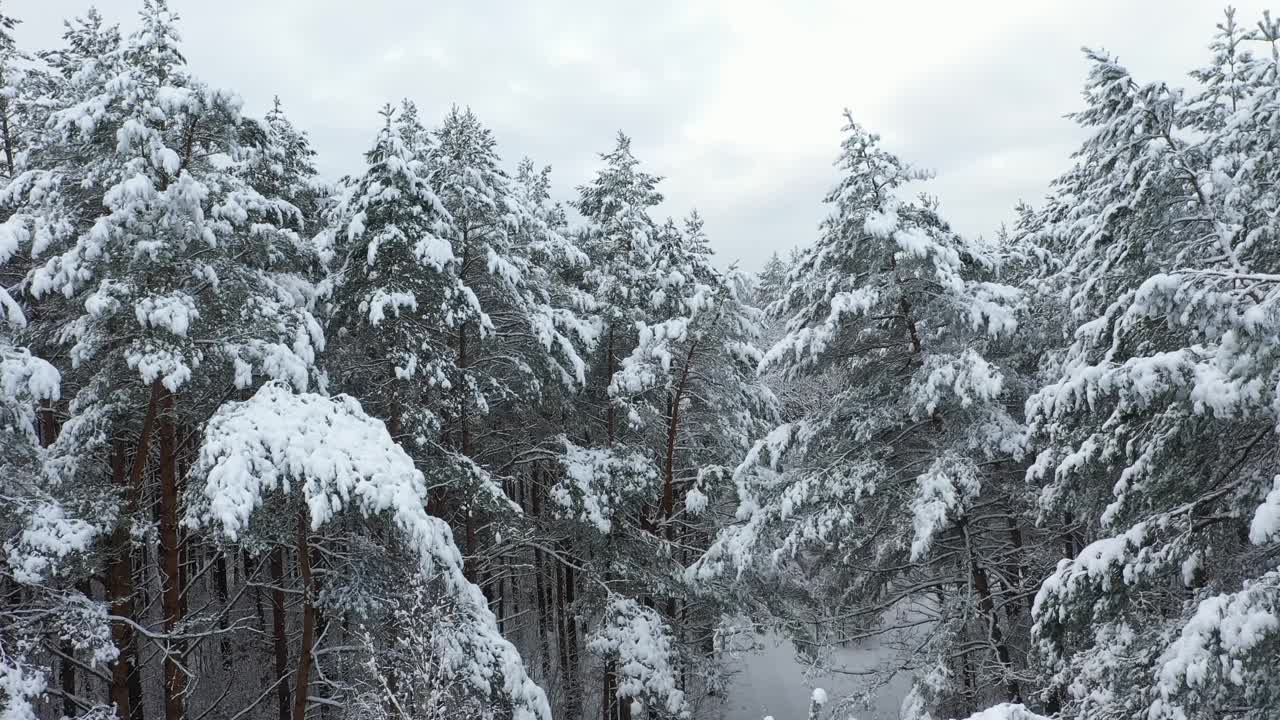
345,464
876,497
518,345
1157,424
180,286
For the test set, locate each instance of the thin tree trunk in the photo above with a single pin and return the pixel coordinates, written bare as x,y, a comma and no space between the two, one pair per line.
280,638
126,685
48,432
571,625
224,618
6,133
1018,569
673,432
607,701
1069,545
465,445
303,679
170,558
986,604
610,418
539,580
562,635
119,594
67,680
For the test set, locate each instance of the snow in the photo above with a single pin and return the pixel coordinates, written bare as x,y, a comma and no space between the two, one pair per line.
771,680
695,501
966,378
152,363
48,535
173,313
396,301
1265,525
1215,643
20,686
943,493
24,376
642,645
596,480
335,458
915,242
881,224
1006,711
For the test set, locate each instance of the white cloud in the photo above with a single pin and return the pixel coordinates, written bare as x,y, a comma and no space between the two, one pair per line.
736,102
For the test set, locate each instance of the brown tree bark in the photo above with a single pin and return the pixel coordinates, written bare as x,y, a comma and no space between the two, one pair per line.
986,604
562,632
175,679
472,557
126,685
48,432
303,679
280,638
539,579
1017,567
673,433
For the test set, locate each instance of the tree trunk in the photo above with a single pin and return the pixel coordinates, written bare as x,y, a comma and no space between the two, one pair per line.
279,634
673,433
1017,567
1069,545
610,417
571,625
544,607
986,604
126,684
607,701
170,558
465,446
224,618
303,679
119,595
48,432
6,133
562,635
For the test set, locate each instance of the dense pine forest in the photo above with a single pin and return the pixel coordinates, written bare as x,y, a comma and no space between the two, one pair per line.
423,442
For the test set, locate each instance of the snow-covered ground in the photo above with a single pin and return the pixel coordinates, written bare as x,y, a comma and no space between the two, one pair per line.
771,682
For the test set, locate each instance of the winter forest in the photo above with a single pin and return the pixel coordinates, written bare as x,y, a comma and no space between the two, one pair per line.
422,442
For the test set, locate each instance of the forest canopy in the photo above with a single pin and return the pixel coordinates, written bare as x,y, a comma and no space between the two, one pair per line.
422,442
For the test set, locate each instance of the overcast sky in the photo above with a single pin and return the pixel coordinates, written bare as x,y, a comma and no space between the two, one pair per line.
737,102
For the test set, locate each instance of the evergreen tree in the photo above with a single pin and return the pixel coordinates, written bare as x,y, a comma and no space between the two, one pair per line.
1158,423
877,499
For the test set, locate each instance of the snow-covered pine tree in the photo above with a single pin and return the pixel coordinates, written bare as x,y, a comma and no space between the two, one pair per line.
888,502
535,446
694,401
518,347
284,168
48,533
395,298
15,126
164,284
609,479
324,462
1158,423
770,282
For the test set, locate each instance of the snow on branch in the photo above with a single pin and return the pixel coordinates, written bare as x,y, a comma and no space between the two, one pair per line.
344,460
638,639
